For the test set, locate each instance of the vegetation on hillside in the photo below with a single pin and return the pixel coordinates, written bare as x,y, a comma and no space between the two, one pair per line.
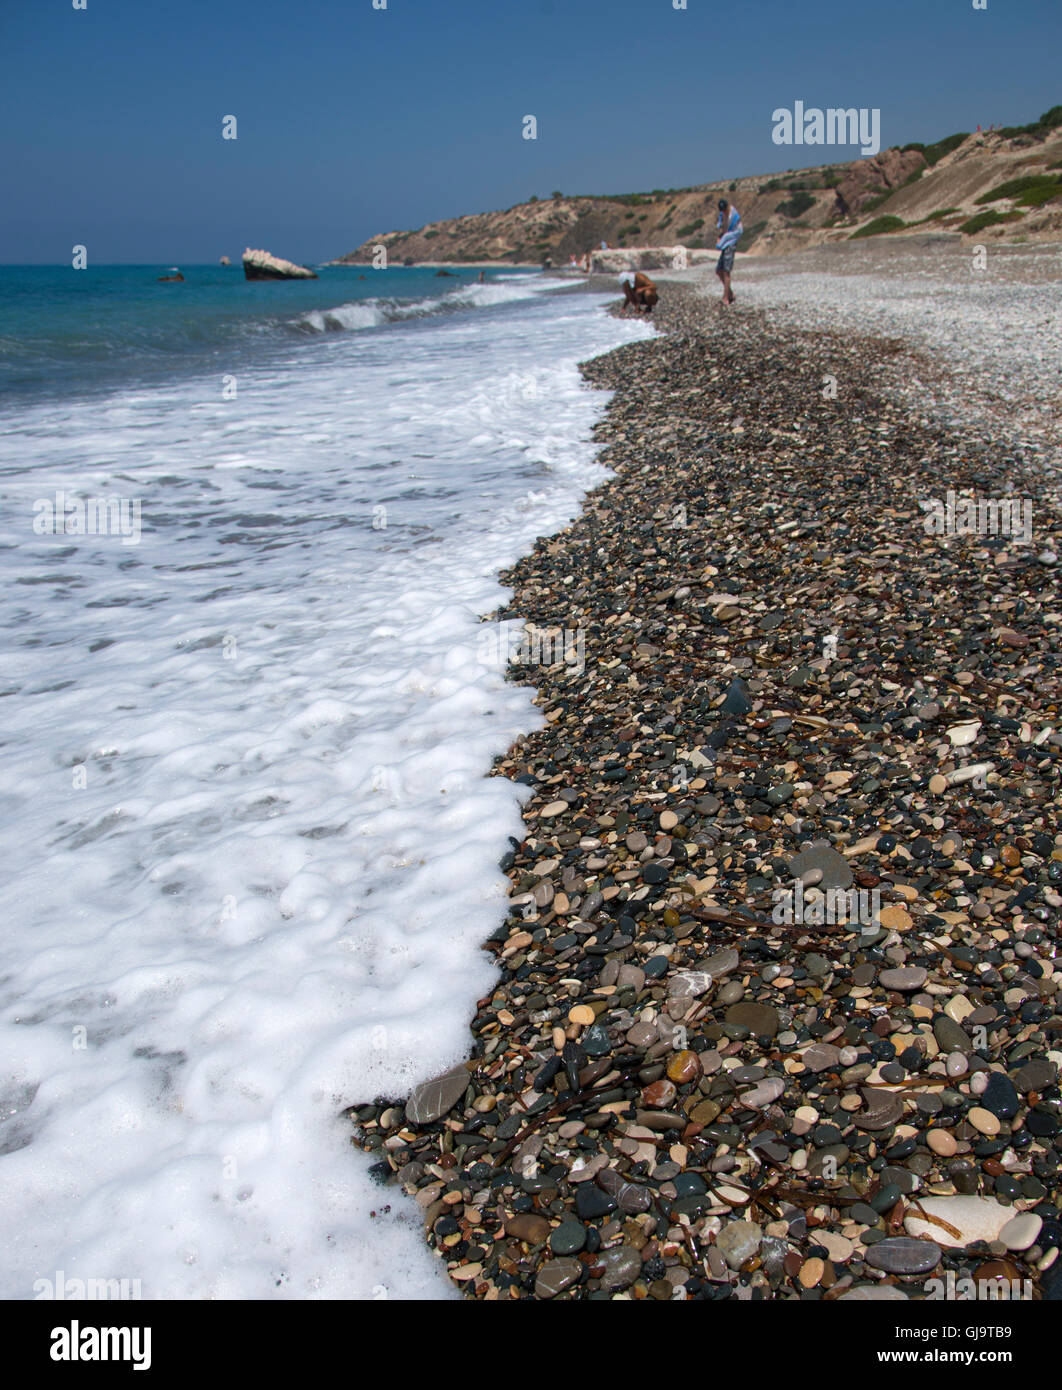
879,225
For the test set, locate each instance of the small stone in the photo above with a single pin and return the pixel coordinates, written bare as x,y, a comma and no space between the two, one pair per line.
942,1142
684,1067
938,784
983,1120
433,1099
893,917
905,979
766,1093
821,1057
811,1271
970,1218
1021,1231
623,1264
873,1293
568,1238
555,808
760,1019
738,1242
582,1014
1000,1097
533,1230
903,1256
737,701
659,1095
836,871
555,1276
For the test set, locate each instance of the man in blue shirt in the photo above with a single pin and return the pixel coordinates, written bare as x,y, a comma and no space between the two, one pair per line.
729,225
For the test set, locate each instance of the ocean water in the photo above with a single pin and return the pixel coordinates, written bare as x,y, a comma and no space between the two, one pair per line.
249,851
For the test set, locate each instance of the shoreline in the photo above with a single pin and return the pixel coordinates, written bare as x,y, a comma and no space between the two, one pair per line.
671,1093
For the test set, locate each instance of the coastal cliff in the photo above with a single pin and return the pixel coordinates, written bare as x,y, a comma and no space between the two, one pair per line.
991,184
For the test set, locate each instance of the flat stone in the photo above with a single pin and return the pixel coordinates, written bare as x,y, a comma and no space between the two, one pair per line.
722,963
737,701
973,1218
983,1121
738,1242
527,1227
555,1276
1000,1096
904,1256
568,1238
950,1037
873,1293
622,1264
766,1093
1021,1231
821,1057
836,871
905,979
1035,1075
883,1110
760,1019
433,1099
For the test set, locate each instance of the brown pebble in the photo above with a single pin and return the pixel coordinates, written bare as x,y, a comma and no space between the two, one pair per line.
684,1067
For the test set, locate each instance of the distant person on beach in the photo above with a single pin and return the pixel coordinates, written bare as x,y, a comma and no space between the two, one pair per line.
638,290
729,225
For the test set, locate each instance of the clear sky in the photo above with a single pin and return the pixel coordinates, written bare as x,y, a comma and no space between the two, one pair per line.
353,120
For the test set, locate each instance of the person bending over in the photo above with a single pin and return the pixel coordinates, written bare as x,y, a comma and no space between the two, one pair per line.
639,290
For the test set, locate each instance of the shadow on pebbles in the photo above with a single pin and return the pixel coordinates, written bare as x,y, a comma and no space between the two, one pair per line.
777,1013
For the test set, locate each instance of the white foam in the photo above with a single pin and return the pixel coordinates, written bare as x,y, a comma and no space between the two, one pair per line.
266,900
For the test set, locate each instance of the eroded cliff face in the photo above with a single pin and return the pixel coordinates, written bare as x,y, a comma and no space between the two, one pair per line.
781,212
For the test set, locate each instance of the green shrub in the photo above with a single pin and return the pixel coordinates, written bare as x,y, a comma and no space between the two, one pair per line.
933,154
428,235
1037,197
913,178
797,204
751,233
1049,121
1013,187
936,216
872,204
690,228
878,226
988,219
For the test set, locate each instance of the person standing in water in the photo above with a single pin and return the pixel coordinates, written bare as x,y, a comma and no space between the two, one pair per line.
730,229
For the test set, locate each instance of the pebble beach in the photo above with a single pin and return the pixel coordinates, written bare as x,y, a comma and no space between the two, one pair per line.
777,1012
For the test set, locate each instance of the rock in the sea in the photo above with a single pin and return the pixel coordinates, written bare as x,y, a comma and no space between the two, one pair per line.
971,1218
261,265
432,1099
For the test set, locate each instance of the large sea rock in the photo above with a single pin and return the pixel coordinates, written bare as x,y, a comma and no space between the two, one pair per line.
260,265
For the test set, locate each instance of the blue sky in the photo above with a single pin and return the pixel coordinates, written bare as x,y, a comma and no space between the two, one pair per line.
354,120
